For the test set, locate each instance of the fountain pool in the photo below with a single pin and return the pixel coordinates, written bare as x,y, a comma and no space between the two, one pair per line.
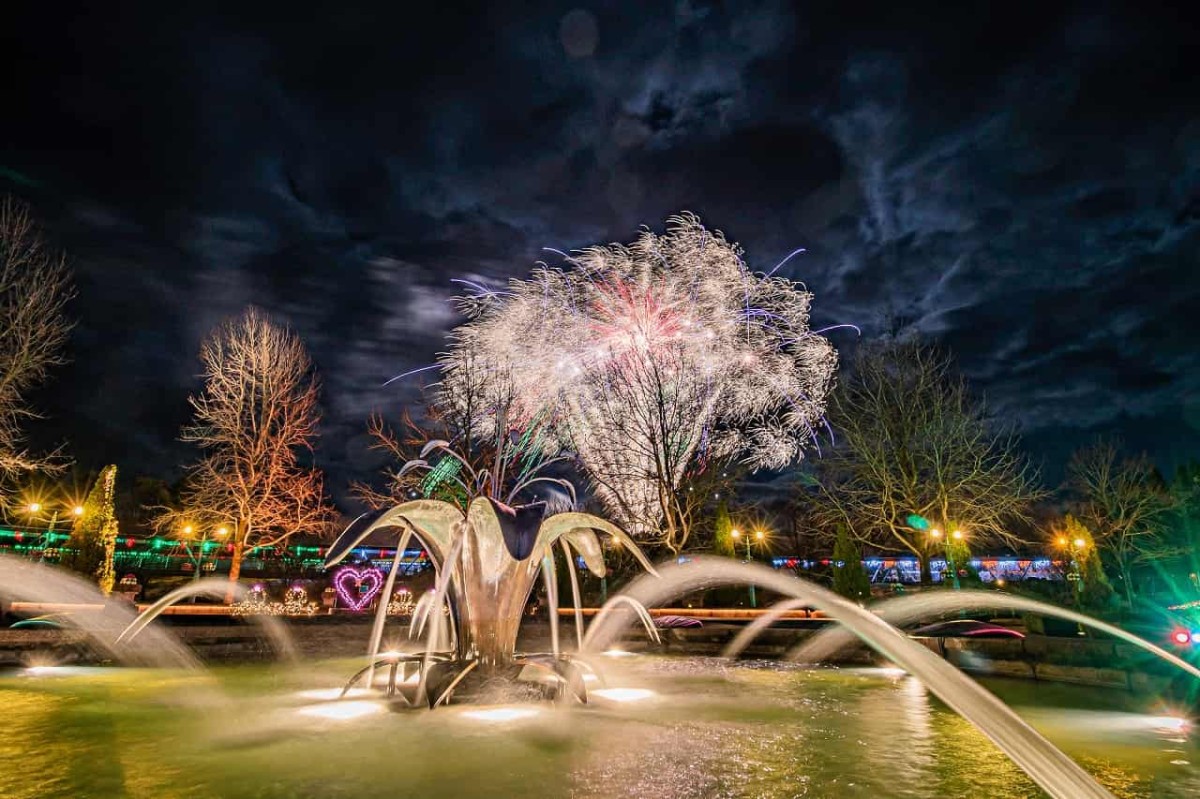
677,727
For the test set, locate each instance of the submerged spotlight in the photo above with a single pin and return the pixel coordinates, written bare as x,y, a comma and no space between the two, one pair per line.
500,713
342,711
623,694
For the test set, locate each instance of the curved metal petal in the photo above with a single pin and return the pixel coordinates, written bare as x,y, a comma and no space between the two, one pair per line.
432,521
587,545
488,545
564,523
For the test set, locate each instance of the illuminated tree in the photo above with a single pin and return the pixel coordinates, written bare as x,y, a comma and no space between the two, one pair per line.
34,289
652,363
917,458
849,578
255,422
1125,503
93,540
722,531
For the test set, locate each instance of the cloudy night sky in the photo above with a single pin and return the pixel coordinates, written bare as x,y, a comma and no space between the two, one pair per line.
1021,183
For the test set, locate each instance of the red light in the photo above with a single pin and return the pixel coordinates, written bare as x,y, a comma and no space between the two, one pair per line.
1181,637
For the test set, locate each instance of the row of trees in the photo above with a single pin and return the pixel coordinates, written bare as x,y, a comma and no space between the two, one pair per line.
254,423
917,465
921,467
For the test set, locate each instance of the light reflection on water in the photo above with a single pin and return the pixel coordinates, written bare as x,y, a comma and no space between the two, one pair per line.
713,730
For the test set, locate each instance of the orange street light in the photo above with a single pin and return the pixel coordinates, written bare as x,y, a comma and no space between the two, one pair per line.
958,535
935,533
1080,543
34,507
77,510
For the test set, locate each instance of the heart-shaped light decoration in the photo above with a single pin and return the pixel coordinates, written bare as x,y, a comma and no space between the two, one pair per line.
357,587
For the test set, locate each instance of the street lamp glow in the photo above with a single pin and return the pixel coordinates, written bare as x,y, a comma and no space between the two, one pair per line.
187,529
759,535
935,533
222,531
77,510
958,535
1062,542
34,507
1079,543
735,534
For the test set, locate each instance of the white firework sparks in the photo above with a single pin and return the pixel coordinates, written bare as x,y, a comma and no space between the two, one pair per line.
649,361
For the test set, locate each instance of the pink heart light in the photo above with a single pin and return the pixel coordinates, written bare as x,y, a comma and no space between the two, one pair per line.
357,587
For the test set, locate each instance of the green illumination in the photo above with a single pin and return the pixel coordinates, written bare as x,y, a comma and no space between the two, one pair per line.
917,522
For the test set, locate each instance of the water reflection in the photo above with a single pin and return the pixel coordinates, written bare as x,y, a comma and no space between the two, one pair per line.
701,729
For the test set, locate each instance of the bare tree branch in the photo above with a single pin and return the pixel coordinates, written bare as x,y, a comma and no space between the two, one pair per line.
1124,502
913,442
254,420
34,290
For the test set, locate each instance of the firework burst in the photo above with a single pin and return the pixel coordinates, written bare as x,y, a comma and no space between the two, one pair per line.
648,361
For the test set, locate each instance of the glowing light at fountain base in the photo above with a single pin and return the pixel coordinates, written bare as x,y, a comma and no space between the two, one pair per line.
342,711
623,694
500,714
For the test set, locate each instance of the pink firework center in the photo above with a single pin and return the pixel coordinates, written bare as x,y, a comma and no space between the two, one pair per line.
625,321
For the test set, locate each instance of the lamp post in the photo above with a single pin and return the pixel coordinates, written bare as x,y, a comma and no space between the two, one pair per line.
1075,550
759,535
201,544
35,508
951,566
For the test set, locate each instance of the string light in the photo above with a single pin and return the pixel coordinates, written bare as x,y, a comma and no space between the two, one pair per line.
401,603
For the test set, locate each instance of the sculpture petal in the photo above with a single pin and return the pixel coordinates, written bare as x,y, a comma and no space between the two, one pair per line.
587,545
432,521
488,545
562,524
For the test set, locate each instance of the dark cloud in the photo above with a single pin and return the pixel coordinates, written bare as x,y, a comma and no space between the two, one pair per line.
1020,184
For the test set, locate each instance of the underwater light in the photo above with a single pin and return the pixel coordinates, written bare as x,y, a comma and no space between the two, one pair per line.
500,713
329,694
1170,722
342,711
41,671
623,694
617,653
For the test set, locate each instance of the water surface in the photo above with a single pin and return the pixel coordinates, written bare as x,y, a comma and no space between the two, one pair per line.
709,729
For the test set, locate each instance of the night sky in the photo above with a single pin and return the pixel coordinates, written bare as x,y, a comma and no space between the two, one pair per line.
1021,183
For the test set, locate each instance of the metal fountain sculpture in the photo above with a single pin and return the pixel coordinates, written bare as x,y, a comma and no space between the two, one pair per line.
487,557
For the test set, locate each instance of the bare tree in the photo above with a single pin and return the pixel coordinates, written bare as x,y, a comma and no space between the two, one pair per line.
255,421
450,455
34,289
1125,503
403,447
665,357
658,483
917,459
